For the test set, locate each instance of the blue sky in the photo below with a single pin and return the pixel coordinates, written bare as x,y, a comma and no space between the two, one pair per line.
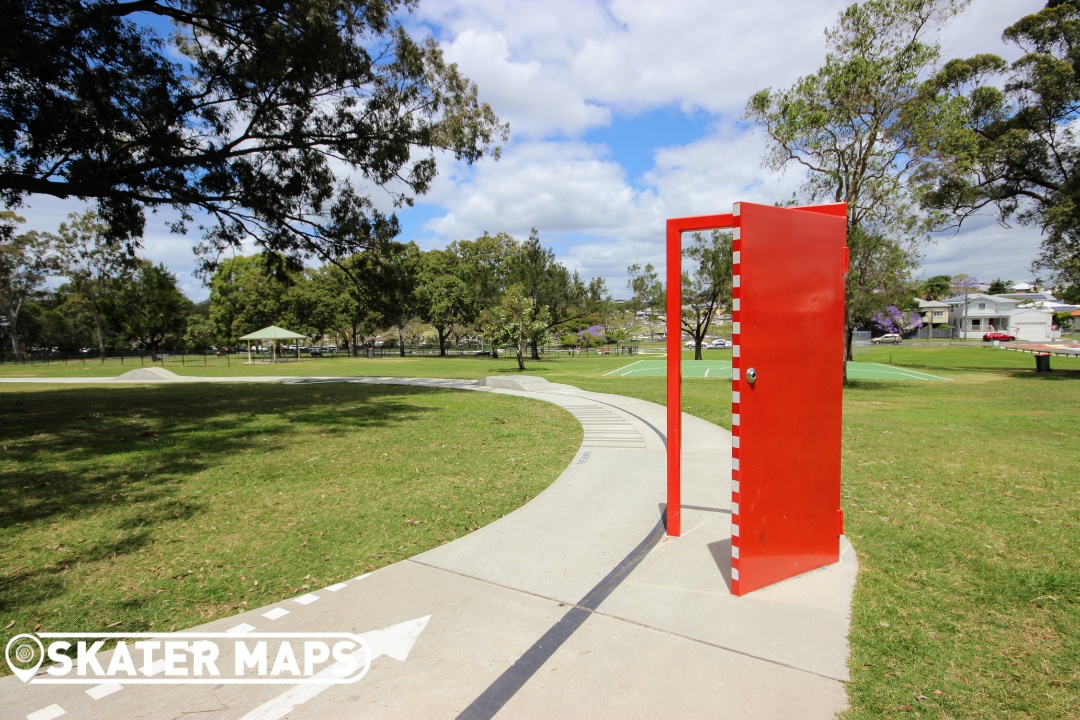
624,113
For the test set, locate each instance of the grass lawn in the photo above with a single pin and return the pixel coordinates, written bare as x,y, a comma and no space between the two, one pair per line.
962,500
159,508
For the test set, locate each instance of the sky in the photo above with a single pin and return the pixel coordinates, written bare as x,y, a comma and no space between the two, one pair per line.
624,113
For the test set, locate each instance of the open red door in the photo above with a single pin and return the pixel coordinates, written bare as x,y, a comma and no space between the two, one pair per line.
787,382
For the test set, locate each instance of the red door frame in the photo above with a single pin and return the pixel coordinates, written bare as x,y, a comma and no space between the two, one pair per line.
675,228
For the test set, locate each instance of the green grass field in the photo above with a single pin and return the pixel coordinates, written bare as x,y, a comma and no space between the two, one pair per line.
154,508
961,499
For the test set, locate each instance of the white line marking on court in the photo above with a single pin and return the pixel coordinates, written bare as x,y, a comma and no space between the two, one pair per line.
707,371
623,368
909,373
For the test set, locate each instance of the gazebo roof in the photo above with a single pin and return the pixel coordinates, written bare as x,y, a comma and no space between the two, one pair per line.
273,332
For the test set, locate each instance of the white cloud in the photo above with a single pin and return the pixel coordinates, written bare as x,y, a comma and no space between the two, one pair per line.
978,29
555,186
535,102
560,68
985,250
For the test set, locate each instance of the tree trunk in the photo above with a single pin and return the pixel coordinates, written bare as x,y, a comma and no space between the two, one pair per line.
100,331
535,348
849,333
401,340
442,340
521,355
13,317
697,349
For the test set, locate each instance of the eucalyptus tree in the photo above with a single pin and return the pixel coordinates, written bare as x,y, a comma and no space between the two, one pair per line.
25,263
443,298
390,277
264,117
91,265
1017,150
485,269
646,286
150,308
247,293
558,295
315,302
860,126
708,286
485,266
936,287
514,320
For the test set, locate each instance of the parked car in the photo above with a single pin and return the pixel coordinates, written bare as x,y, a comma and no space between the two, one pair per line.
718,344
893,338
997,335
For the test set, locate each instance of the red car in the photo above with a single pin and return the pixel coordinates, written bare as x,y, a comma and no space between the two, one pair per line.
997,335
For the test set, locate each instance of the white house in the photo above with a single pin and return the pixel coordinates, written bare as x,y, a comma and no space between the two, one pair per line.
985,313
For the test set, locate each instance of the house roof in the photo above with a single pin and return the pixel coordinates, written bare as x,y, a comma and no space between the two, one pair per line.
1031,297
930,303
959,299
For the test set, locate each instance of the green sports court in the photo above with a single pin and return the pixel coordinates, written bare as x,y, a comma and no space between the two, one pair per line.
721,370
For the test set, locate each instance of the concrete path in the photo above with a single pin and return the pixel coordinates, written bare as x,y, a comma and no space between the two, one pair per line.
574,606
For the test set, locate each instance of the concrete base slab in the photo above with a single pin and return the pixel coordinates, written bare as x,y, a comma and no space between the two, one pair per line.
614,669
684,587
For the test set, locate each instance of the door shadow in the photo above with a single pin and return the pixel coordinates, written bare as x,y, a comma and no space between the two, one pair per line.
721,553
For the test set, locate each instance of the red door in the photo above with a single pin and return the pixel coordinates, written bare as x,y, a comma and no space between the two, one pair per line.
787,382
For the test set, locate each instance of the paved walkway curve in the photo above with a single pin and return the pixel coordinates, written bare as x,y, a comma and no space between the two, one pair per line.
575,605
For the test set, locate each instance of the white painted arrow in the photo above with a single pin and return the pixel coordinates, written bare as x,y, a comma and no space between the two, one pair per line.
395,641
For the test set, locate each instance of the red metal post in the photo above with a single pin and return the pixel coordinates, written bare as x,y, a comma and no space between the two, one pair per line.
674,379
675,228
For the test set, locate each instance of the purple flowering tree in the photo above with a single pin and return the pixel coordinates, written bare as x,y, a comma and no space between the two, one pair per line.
894,320
590,336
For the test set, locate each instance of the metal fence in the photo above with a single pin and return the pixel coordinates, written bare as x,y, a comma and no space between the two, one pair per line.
860,342
213,358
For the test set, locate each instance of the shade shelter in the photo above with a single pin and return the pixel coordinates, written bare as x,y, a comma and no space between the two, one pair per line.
273,332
